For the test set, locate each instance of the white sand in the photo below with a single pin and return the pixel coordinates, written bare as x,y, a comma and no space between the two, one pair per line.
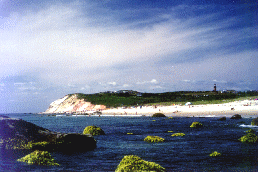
245,107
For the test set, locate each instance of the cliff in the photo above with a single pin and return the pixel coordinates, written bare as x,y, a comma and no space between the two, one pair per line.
72,104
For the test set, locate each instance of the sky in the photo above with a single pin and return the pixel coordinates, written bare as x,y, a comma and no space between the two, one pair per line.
51,48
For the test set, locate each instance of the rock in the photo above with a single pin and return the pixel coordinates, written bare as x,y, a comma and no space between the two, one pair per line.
39,158
135,163
222,118
93,130
158,115
215,153
236,116
249,138
154,139
20,134
196,125
178,134
254,122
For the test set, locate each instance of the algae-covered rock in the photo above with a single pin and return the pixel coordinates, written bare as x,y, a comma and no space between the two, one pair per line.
249,138
250,131
39,158
158,115
154,139
93,130
254,122
215,153
132,163
236,116
178,134
196,125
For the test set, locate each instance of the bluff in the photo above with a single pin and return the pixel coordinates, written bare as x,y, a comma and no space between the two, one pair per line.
72,104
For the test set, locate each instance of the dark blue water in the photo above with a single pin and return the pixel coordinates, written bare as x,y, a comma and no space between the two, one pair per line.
188,153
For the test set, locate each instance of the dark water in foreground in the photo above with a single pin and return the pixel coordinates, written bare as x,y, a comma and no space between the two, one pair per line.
188,153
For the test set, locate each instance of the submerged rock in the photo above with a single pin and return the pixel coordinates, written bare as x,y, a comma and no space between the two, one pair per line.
39,158
135,163
93,130
20,134
158,115
236,116
154,139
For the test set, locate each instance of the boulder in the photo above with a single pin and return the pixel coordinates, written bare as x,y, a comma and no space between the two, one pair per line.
222,118
158,115
254,122
135,163
236,116
154,139
196,125
20,134
93,130
38,158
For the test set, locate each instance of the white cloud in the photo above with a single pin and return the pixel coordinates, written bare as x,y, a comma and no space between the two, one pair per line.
111,83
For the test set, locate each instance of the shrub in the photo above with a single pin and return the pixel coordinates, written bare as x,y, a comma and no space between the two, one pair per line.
93,130
135,163
196,125
215,153
178,134
158,115
254,122
38,158
249,138
154,139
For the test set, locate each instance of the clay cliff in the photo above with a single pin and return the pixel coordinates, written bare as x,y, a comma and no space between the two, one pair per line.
72,104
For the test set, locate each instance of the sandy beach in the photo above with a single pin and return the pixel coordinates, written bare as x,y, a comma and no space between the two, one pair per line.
245,107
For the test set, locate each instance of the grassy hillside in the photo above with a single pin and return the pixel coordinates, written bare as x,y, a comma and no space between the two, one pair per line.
133,99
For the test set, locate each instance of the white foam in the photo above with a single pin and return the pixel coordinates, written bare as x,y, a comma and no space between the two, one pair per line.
248,126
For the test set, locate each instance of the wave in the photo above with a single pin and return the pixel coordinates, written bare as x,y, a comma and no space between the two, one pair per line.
248,126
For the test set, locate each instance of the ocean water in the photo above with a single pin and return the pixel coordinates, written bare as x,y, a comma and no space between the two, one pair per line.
187,153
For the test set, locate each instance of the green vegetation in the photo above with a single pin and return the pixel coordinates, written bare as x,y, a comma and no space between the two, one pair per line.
215,153
93,130
196,125
249,138
133,98
16,143
178,134
170,131
158,115
254,122
154,139
39,158
131,163
250,131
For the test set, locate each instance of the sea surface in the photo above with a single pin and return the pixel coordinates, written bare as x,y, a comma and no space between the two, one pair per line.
187,153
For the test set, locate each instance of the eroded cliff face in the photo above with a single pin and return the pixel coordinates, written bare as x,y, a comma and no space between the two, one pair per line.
71,104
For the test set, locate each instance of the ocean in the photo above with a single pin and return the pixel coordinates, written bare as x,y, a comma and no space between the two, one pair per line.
186,153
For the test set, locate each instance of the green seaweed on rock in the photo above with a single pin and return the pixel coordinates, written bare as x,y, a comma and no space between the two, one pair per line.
154,139
93,130
249,138
196,125
39,158
131,163
215,153
178,134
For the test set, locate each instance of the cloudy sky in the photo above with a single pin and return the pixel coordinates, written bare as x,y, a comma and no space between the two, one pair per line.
52,48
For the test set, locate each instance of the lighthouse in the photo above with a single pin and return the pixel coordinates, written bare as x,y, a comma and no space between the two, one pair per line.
215,88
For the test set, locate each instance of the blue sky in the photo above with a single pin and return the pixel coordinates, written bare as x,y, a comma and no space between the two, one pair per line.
49,49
